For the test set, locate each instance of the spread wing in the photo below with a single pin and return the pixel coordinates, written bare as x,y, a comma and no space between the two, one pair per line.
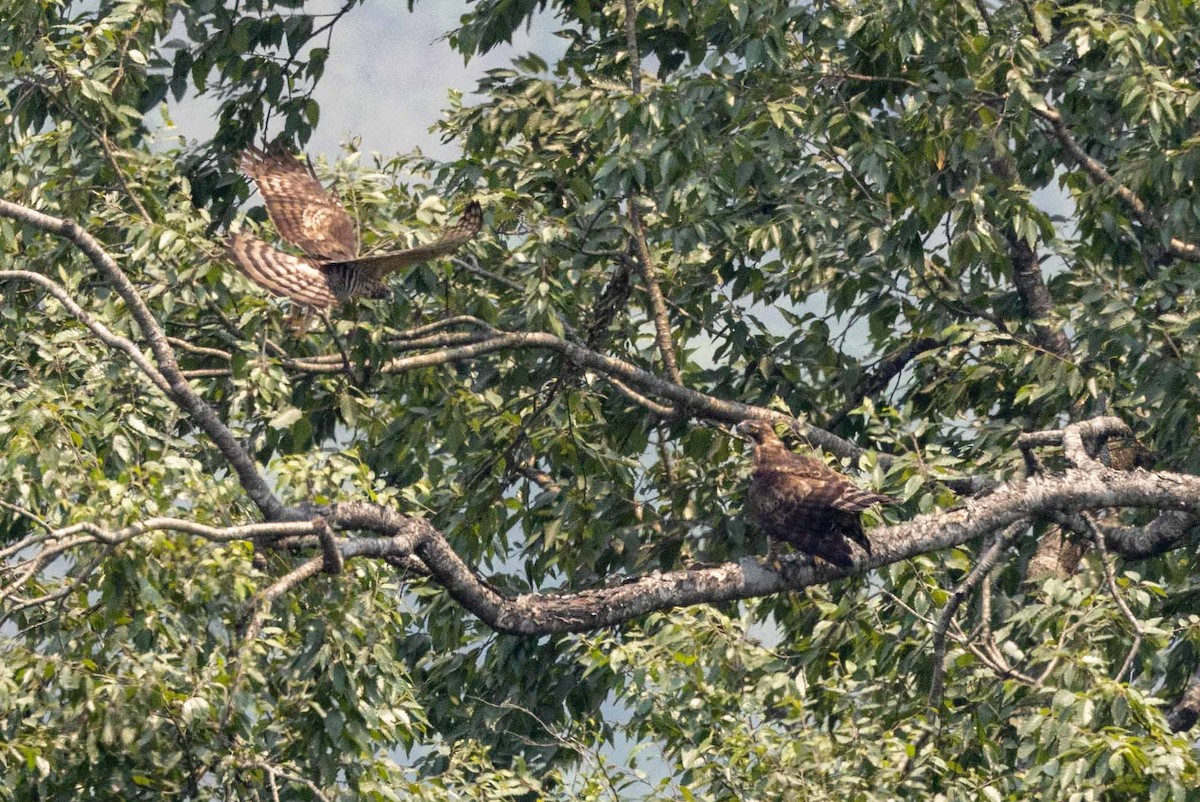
296,277
451,240
304,212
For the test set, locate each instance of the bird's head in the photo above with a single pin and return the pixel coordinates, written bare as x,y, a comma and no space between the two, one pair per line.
757,431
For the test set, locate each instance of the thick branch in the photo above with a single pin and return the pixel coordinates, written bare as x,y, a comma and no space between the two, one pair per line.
631,47
178,389
1035,297
1080,441
543,613
1166,532
399,540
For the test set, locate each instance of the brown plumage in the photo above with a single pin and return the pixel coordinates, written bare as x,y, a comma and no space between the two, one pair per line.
802,501
313,219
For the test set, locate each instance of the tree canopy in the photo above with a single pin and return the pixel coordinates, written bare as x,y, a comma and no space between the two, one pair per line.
485,539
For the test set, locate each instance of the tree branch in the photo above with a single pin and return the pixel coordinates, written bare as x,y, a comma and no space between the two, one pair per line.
1166,532
544,613
658,306
101,331
386,534
1110,579
887,369
179,390
641,251
1100,175
694,402
1035,296
53,542
1027,277
1184,713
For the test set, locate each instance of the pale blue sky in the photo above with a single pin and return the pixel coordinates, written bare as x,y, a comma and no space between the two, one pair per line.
388,77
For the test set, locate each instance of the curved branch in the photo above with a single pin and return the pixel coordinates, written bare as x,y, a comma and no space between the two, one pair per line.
1079,441
399,540
888,368
1184,714
178,389
102,332
697,403
1164,533
52,543
545,613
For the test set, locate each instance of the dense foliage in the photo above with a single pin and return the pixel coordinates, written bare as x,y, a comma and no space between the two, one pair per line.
925,226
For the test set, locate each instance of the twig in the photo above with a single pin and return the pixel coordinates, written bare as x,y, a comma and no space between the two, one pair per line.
273,772
263,599
662,410
418,332
253,617
1100,175
990,559
472,267
1110,579
78,578
199,349
347,366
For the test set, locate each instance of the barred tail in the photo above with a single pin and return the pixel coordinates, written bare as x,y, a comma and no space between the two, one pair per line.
855,499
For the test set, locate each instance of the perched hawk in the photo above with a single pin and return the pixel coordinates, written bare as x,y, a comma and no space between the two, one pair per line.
314,220
802,501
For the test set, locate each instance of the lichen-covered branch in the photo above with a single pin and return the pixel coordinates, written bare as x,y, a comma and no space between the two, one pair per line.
542,613
379,532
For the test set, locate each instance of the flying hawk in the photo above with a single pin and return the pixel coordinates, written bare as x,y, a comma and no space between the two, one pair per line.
802,501
313,219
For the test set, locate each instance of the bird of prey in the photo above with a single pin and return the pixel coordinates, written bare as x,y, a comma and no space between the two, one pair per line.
802,501
313,219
